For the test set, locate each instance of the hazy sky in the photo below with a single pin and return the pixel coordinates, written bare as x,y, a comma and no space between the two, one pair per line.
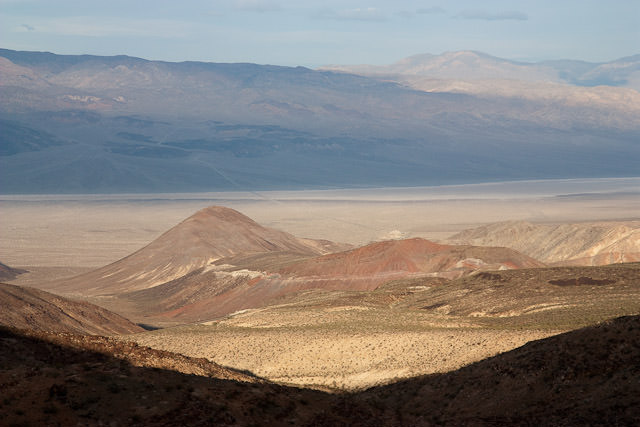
318,32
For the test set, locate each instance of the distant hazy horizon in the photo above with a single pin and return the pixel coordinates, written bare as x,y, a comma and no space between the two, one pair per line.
315,33
472,190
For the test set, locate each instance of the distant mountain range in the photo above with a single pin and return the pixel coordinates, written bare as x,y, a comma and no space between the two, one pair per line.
471,65
78,124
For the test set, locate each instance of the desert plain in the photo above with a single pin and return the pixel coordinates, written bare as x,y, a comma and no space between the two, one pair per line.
340,340
88,231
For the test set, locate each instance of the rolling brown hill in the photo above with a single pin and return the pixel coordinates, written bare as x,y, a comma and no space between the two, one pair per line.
563,244
239,283
548,298
208,235
560,298
376,263
584,377
219,261
29,308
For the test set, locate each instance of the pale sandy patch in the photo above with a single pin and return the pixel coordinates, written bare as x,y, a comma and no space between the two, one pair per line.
338,359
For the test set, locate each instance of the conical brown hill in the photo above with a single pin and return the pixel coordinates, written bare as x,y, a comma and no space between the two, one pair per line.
210,234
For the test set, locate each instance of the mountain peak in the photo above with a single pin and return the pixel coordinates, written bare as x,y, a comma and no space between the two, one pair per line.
220,213
210,234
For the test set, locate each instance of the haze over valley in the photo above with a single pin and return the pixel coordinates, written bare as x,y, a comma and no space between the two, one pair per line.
124,124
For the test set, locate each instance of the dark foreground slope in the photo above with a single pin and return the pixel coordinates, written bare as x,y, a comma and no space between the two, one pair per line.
24,307
63,379
585,377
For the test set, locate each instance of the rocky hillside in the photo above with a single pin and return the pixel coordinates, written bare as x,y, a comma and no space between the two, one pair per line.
585,377
239,283
219,261
29,308
566,244
379,262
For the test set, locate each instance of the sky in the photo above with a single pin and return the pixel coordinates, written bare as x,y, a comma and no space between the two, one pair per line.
322,32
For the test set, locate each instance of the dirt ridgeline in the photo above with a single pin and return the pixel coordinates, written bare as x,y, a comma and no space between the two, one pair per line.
585,377
29,308
590,376
591,243
65,379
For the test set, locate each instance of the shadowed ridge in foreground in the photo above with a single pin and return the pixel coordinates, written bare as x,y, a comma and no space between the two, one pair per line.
585,377
68,379
588,376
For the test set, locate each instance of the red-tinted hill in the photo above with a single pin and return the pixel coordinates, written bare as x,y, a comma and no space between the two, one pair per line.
208,235
207,294
367,267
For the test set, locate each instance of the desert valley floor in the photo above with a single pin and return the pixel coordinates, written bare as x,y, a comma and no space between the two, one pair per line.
365,288
93,230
